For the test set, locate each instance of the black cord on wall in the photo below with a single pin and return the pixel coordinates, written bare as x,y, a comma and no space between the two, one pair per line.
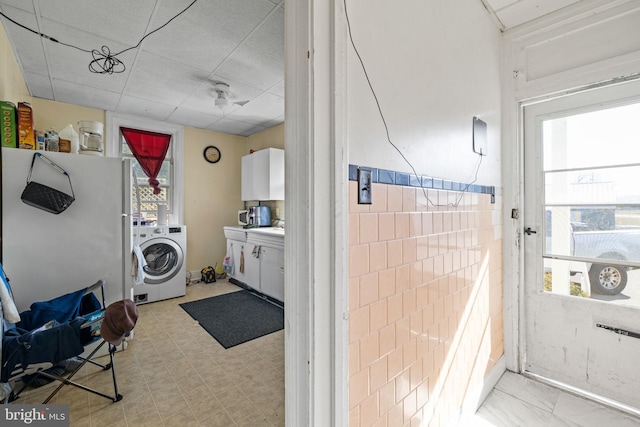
386,127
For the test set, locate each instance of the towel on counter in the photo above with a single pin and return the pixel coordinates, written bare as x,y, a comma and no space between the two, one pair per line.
138,263
9,310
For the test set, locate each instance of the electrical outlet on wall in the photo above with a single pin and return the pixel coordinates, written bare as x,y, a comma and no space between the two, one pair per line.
364,186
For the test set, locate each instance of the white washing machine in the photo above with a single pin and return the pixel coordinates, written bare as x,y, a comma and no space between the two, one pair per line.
165,250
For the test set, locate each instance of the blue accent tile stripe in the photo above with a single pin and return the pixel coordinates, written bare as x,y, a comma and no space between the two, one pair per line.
402,178
353,173
414,181
385,176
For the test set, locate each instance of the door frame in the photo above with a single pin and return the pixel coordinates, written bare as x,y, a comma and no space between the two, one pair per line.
520,89
316,276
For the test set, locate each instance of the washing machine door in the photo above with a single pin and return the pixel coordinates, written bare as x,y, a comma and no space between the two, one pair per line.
164,258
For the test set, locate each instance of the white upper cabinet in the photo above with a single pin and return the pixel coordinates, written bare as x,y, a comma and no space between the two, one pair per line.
263,175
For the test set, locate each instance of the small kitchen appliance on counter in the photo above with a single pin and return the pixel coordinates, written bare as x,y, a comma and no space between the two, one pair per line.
255,216
260,216
243,217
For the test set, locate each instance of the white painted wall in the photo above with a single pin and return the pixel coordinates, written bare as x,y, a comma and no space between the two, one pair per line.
434,65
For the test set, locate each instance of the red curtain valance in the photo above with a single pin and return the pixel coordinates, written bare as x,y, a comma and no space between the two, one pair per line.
150,149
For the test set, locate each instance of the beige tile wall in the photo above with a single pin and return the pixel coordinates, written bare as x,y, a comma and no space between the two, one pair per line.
425,303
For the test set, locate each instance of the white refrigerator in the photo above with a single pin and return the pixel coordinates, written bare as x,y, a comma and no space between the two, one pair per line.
47,255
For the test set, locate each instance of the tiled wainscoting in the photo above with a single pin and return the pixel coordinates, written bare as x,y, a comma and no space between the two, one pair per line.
425,302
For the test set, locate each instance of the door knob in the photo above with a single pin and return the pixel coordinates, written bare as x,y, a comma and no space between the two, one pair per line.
529,231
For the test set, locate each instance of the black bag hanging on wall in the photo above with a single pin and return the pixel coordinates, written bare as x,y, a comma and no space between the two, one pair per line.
43,197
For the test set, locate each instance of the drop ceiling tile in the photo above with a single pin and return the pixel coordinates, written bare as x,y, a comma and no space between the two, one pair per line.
253,130
170,84
31,56
144,108
33,60
124,21
278,89
162,80
66,63
192,118
201,99
275,122
218,26
259,61
260,110
74,93
27,46
26,6
39,85
232,127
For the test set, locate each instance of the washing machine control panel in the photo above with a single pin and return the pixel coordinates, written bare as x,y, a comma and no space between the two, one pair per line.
155,231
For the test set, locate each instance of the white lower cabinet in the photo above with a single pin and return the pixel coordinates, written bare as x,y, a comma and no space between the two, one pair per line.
272,272
258,261
246,267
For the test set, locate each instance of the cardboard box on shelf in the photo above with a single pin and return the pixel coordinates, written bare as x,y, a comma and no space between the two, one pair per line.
26,138
8,134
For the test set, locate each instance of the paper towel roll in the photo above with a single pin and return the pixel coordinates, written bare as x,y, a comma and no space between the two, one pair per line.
162,214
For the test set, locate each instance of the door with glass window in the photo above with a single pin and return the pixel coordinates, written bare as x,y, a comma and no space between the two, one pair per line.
582,241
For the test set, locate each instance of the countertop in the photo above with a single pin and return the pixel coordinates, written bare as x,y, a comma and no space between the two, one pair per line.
266,236
269,236
270,231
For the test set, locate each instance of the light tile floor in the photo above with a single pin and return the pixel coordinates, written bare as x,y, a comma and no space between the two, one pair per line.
174,373
519,401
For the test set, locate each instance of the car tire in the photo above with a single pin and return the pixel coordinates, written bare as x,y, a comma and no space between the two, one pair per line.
607,279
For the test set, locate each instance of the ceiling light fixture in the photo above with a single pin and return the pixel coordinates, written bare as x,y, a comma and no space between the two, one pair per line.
221,101
224,94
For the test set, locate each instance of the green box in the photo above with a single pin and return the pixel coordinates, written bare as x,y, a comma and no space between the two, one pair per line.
8,126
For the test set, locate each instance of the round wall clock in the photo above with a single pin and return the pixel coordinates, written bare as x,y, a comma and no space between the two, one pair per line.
212,154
